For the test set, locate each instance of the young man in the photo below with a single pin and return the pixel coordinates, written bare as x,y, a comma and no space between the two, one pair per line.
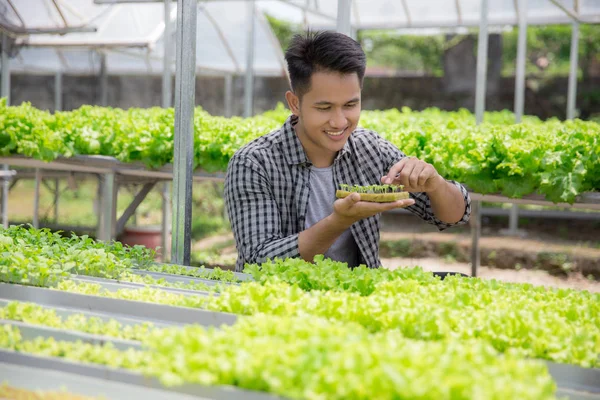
280,188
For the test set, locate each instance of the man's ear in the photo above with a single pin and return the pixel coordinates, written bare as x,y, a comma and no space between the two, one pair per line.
293,102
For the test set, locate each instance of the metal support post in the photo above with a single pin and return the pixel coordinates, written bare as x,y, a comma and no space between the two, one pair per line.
166,77
572,95
103,81
56,197
344,24
513,222
305,15
5,187
249,83
166,222
58,91
36,199
98,206
482,55
135,203
5,92
521,54
228,95
5,78
185,96
475,222
108,207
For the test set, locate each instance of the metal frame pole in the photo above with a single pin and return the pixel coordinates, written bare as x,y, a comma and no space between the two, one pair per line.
58,91
166,103
98,206
183,157
36,199
513,220
56,197
521,54
166,222
482,55
5,92
475,222
5,80
5,187
228,95
572,93
109,207
166,77
103,81
344,24
305,15
249,83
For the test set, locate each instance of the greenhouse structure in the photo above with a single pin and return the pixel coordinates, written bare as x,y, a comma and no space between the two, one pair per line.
85,318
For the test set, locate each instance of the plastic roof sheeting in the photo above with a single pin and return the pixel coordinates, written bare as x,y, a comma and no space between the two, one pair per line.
221,40
46,14
402,14
122,23
131,37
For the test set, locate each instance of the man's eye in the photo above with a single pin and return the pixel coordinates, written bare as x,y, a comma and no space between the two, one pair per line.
323,108
351,105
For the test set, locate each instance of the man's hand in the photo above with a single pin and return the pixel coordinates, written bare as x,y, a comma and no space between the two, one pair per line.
415,175
350,209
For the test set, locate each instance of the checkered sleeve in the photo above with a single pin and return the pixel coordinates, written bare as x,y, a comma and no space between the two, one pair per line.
422,207
254,215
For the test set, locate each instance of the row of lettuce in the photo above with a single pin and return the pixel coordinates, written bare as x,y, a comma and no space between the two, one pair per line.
318,330
557,159
311,358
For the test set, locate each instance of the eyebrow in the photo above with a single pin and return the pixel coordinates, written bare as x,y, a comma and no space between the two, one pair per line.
328,103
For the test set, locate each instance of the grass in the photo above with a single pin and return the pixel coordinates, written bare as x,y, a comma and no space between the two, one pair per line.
77,206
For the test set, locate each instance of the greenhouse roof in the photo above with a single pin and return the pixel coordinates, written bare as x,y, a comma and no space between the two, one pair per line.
131,36
402,14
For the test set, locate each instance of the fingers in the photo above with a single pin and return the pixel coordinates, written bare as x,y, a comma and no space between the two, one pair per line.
400,204
415,175
352,209
404,177
368,208
352,199
424,176
412,173
395,170
428,173
347,203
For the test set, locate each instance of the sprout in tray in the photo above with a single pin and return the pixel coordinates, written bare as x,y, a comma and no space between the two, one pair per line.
373,193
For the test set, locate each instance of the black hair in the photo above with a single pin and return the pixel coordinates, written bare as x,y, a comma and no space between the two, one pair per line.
322,51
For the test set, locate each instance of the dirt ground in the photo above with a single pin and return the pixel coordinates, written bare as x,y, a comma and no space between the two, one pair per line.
507,275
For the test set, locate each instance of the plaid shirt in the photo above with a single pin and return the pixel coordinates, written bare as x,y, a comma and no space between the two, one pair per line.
267,192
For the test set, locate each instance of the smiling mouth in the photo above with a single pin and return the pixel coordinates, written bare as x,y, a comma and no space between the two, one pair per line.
336,133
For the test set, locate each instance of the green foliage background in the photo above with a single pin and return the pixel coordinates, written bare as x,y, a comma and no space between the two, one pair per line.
387,48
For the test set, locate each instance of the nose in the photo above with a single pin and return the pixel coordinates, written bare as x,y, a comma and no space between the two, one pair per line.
338,119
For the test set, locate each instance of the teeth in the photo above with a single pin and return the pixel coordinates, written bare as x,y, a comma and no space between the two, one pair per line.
334,133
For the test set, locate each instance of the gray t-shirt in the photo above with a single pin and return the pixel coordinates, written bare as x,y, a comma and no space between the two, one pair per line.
320,205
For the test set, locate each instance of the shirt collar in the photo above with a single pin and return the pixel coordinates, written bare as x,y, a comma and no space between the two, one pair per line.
293,150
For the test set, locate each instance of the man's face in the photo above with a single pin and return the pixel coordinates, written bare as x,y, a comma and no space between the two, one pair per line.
328,113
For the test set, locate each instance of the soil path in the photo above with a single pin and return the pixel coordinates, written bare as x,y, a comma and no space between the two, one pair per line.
507,275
